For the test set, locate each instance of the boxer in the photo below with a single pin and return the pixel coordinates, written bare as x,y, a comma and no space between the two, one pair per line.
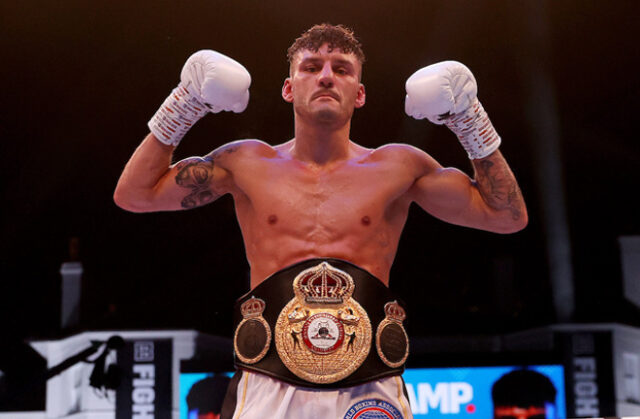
320,334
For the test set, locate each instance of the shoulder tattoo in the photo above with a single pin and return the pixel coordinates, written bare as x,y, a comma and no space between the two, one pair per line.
196,174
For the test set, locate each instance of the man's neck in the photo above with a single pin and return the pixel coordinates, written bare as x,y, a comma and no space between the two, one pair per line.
321,144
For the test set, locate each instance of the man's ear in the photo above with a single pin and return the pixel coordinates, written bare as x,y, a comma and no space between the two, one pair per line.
361,98
287,94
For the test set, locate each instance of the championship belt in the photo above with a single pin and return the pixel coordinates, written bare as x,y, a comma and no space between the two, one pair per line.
323,335
310,324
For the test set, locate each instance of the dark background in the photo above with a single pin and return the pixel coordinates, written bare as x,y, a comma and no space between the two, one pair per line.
81,79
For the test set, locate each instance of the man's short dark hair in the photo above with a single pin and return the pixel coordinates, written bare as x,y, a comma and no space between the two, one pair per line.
337,36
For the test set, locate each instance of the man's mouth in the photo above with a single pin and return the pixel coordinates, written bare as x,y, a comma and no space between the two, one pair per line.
321,95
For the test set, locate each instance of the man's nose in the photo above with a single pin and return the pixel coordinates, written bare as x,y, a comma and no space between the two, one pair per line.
326,76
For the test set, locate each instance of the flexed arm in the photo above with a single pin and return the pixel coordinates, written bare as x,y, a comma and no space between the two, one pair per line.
446,93
209,82
498,186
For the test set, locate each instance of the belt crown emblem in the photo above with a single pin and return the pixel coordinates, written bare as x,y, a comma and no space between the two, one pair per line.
395,312
323,284
253,307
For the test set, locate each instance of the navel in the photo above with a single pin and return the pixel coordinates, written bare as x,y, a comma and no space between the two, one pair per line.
272,219
366,220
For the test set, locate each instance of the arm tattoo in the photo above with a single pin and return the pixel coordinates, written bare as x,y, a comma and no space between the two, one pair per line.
498,186
196,175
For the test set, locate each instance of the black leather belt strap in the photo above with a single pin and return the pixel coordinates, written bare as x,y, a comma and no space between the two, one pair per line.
277,291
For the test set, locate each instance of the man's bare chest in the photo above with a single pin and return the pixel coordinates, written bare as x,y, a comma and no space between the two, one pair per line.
350,193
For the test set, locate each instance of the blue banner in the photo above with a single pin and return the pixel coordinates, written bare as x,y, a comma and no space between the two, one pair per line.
467,392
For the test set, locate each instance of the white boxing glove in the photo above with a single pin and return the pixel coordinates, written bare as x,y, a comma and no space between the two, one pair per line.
209,82
446,93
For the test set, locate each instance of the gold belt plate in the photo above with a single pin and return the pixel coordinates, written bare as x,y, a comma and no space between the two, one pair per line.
323,335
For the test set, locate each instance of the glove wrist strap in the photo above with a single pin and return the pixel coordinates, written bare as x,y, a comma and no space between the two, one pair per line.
475,131
176,116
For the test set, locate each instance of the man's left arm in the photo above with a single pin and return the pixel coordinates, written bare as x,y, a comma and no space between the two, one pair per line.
498,187
446,93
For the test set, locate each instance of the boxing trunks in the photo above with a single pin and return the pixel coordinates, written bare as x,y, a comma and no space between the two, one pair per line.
257,396
321,323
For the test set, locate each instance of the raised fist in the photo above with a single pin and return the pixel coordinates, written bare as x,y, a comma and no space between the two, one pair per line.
439,91
219,82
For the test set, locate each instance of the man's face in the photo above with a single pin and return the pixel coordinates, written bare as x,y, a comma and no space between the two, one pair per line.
324,86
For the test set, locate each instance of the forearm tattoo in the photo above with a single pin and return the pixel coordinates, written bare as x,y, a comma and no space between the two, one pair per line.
196,175
498,186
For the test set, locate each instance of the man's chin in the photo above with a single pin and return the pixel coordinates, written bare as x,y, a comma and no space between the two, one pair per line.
328,115
331,112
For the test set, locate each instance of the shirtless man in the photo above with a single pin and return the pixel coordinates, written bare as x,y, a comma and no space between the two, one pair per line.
320,197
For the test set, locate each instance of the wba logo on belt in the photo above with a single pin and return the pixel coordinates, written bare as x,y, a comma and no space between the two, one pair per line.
323,335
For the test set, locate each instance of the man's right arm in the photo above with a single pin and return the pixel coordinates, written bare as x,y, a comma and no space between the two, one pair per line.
209,82
149,183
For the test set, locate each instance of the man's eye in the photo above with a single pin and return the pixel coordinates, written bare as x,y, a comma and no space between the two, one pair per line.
311,69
